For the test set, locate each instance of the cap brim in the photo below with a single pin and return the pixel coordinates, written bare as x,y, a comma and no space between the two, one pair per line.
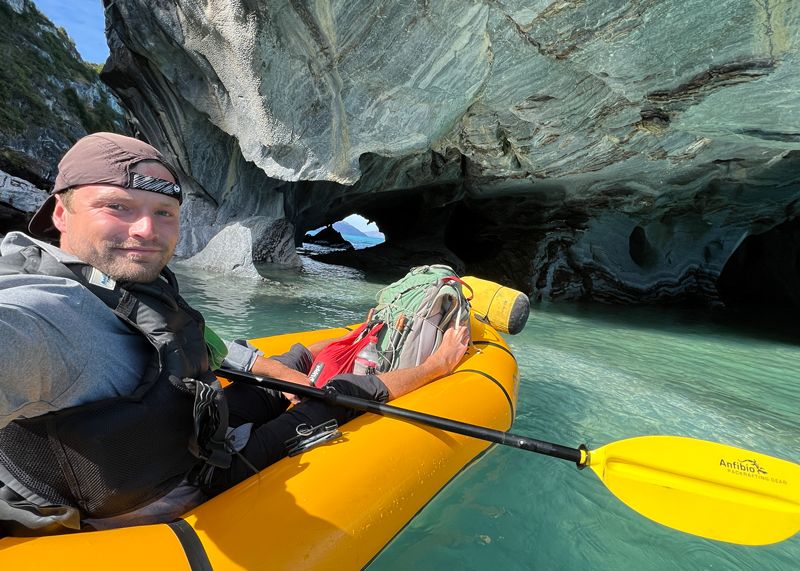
41,225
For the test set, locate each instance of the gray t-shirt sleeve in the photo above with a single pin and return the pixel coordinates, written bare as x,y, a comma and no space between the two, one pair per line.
33,376
60,346
241,355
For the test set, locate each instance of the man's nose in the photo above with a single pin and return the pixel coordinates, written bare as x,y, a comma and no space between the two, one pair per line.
143,226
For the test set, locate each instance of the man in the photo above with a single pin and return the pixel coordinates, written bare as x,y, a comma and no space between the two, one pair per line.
109,413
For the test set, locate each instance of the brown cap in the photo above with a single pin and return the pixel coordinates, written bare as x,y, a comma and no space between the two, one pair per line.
102,158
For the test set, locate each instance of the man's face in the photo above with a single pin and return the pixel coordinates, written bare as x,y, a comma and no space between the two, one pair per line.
128,234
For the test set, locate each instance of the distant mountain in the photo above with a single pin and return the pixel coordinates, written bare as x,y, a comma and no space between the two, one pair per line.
344,228
376,234
328,236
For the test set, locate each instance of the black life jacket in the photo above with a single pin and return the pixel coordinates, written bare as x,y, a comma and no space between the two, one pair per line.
113,456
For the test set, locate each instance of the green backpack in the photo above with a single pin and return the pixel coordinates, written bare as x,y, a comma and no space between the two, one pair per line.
417,310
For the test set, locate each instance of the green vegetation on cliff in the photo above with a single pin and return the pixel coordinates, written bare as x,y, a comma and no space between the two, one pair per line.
40,58
46,93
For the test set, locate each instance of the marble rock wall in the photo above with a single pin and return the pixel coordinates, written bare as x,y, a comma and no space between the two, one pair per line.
613,149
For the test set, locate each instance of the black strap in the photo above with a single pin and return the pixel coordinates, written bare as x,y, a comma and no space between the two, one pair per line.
495,381
196,554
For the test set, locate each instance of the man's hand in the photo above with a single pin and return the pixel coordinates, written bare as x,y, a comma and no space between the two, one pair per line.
449,354
441,362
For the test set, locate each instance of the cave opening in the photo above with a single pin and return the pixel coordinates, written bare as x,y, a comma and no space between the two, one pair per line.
351,232
473,235
764,271
359,231
493,237
486,237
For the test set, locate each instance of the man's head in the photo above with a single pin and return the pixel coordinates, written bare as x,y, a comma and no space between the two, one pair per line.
115,205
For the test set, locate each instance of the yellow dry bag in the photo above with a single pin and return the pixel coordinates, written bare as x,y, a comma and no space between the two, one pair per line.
503,308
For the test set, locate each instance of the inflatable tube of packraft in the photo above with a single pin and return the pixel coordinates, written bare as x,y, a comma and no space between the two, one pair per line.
334,506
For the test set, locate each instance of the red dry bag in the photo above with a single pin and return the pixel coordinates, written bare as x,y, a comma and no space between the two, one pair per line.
338,357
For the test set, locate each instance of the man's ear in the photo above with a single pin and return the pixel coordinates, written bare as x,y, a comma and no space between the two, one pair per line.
60,212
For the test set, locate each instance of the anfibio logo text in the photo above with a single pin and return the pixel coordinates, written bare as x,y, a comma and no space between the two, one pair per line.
749,469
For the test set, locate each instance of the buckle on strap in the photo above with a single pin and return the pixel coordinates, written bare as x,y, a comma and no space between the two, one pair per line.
308,437
209,440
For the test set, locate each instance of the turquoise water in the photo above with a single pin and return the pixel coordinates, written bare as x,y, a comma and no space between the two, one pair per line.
589,374
361,242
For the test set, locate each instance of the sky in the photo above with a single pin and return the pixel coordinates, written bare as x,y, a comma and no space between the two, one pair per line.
84,22
361,223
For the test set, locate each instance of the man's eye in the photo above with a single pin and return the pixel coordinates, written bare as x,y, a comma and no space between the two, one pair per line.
115,206
165,213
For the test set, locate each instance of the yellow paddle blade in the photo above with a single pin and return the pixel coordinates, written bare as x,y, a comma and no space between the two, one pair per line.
703,488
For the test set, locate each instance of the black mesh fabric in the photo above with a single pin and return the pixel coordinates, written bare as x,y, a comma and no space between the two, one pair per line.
137,452
121,454
34,464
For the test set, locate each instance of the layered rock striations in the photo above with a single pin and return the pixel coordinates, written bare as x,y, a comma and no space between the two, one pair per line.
618,150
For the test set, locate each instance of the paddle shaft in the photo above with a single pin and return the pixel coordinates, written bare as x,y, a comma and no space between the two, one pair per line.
675,481
479,432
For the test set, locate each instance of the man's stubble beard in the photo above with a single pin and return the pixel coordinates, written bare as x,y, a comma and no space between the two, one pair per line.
118,265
